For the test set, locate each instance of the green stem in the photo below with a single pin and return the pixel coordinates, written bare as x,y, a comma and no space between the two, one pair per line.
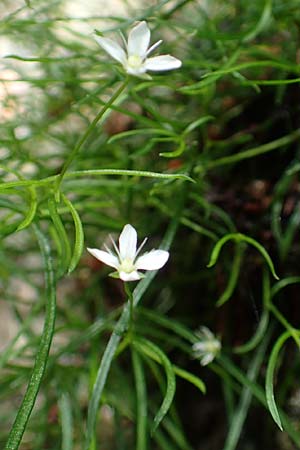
293,332
117,334
252,152
19,425
87,133
130,300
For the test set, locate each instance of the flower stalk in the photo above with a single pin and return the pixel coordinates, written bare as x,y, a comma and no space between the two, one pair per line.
85,136
131,318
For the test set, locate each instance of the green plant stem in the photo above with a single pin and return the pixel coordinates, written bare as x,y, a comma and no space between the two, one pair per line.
252,152
19,425
87,133
293,332
118,332
130,301
242,409
141,401
94,173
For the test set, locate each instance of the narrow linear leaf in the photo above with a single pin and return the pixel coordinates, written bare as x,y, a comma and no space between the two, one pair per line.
239,237
252,152
141,401
96,172
270,377
64,405
62,235
31,211
241,411
262,22
257,336
277,287
233,278
196,381
197,123
143,132
79,235
153,351
19,425
257,391
174,154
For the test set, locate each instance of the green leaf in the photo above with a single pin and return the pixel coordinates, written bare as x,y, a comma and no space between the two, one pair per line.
65,409
79,235
270,377
240,414
151,350
62,236
239,237
191,378
197,123
19,425
262,23
141,401
233,278
31,211
252,152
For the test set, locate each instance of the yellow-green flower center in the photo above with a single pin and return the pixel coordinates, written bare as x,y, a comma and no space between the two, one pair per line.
127,265
134,61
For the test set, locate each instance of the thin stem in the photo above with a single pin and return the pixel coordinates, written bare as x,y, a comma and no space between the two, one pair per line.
285,323
19,425
120,328
130,299
87,133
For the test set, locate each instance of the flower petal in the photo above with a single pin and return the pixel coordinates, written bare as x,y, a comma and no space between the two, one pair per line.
127,242
105,257
153,260
132,276
208,358
112,48
162,62
199,348
138,40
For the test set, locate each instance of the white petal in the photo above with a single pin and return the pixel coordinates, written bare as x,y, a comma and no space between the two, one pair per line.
138,40
153,260
127,242
105,257
162,62
132,276
207,359
199,347
112,48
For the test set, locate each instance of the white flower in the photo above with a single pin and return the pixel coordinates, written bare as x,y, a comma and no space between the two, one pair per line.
134,58
126,260
208,346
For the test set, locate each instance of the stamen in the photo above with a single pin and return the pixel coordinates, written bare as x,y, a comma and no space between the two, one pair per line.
140,247
153,47
107,249
115,247
123,39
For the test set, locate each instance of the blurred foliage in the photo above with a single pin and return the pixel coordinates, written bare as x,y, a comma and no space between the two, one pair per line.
229,120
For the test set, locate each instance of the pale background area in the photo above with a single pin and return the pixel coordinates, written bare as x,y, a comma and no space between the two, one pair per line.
76,9
99,14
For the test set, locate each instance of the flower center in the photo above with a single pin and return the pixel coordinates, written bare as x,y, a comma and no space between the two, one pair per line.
127,265
134,61
212,346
